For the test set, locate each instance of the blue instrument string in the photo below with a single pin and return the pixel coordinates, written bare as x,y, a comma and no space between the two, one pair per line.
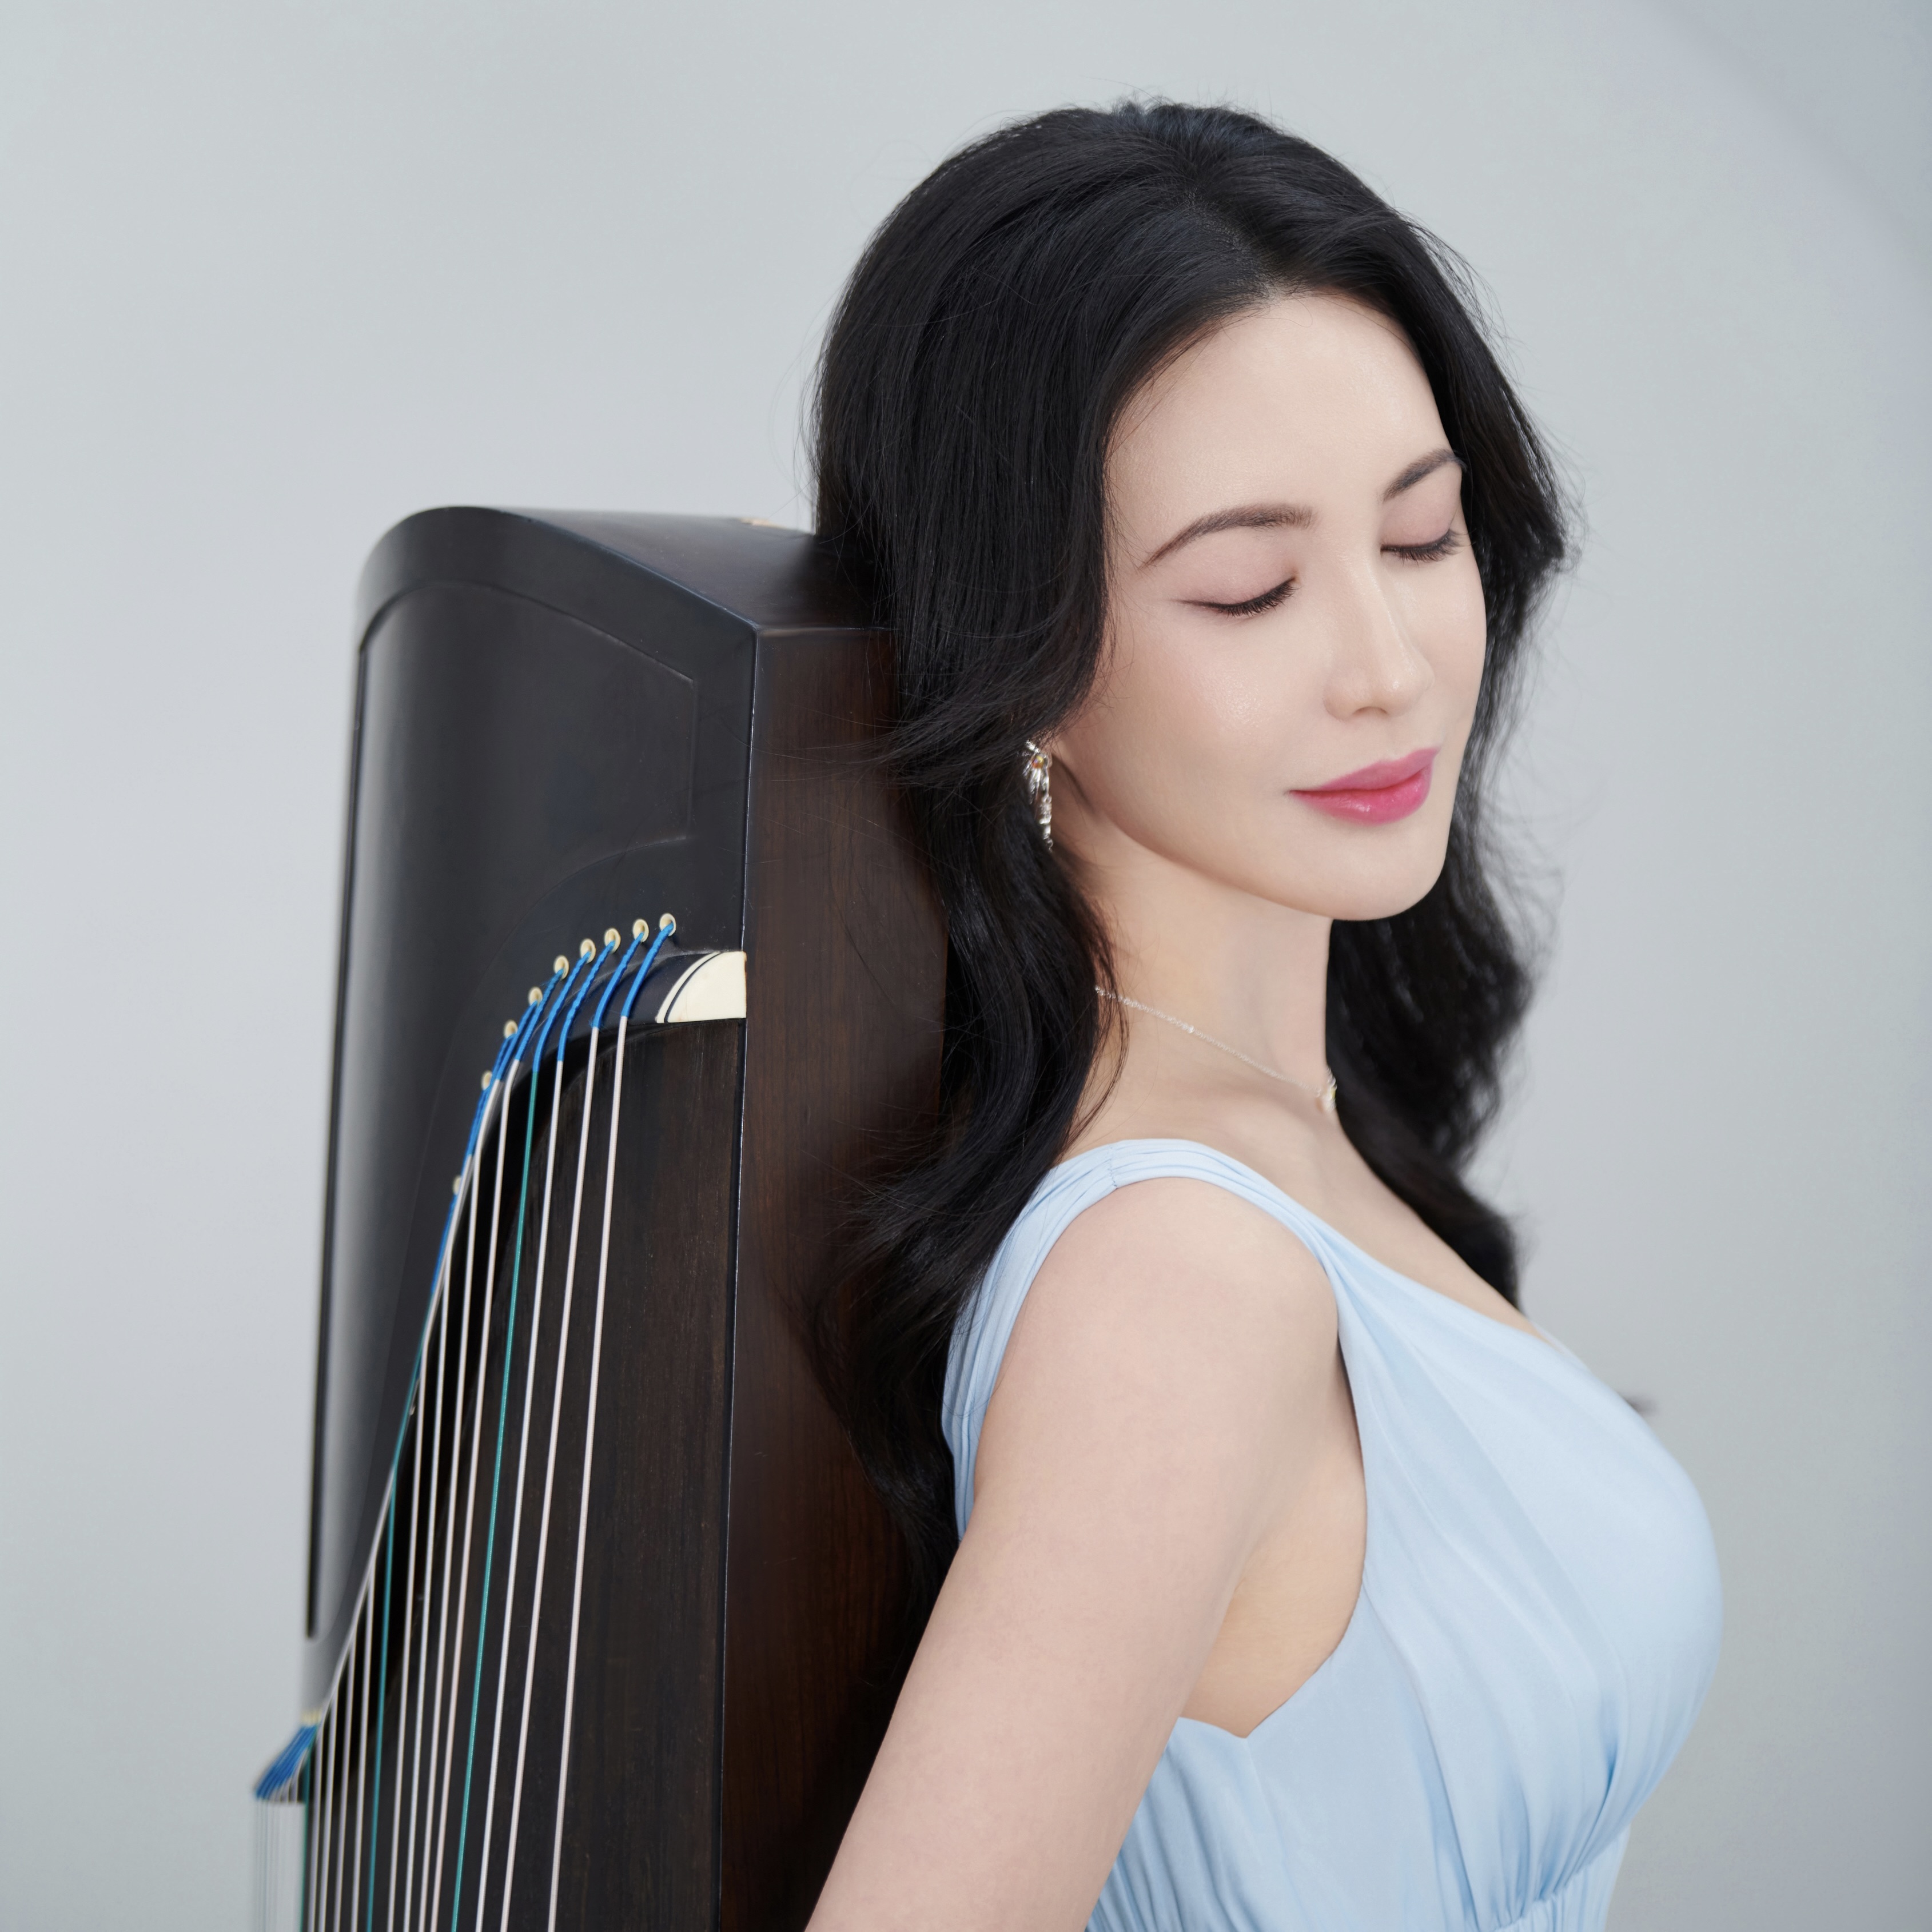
287,1764
666,927
497,1474
508,1057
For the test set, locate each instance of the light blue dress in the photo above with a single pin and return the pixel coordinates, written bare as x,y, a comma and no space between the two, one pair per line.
1538,1623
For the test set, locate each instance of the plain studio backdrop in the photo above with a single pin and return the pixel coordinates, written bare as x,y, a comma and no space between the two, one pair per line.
274,275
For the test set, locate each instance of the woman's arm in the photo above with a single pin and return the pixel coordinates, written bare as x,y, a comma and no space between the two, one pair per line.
1157,1404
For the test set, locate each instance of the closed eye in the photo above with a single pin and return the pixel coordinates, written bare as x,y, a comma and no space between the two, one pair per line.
1425,553
1254,606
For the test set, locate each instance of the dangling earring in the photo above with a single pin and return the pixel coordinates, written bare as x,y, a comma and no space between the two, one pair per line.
1040,789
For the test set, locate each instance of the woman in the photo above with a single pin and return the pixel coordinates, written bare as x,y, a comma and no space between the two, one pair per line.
1299,1581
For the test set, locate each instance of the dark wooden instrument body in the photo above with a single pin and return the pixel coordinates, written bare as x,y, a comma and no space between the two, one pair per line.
565,722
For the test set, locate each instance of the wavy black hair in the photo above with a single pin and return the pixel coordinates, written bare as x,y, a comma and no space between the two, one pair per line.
972,377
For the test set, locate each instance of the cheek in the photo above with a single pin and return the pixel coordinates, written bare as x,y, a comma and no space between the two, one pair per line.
1194,725
1449,622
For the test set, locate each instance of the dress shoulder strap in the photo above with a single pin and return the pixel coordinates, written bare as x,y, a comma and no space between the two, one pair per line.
985,1325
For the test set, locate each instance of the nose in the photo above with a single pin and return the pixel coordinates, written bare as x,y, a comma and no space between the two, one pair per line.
1375,666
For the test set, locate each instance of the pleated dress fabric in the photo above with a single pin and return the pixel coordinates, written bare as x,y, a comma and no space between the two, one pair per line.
1538,1623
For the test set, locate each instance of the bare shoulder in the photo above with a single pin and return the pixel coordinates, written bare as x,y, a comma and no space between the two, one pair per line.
1168,1255
1171,1299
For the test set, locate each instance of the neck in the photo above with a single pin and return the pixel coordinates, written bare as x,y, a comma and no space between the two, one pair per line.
1251,972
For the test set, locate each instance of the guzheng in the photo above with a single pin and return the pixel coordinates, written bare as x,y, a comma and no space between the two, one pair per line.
638,973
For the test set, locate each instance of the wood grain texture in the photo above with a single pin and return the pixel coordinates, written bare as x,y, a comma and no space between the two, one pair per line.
846,956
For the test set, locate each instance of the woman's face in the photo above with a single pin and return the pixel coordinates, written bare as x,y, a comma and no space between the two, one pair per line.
1296,622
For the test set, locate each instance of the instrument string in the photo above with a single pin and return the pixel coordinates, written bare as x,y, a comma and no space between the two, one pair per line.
382,1694
454,1412
563,997
509,1345
422,1802
555,1419
423,1421
506,1080
328,1817
414,1411
310,1835
319,1824
402,1673
344,1717
441,1318
362,1742
532,1031
346,1705
667,926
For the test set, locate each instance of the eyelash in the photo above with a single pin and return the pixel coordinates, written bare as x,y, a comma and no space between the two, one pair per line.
1428,553
1255,606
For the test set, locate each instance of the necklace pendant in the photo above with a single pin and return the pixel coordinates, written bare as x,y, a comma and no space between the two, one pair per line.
1325,1099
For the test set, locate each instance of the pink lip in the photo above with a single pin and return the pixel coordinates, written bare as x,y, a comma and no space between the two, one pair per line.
1377,794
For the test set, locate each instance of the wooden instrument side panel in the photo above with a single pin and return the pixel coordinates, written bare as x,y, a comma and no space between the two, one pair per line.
846,956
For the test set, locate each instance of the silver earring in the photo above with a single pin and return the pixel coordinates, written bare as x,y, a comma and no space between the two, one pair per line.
1040,789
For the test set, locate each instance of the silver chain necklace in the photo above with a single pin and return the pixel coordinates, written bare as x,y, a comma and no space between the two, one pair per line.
1323,1097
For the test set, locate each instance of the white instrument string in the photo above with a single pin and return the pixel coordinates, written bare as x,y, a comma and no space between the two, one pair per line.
349,1693
362,1744
441,1311
455,1413
517,1501
470,1505
589,1445
549,1464
311,1821
338,1829
328,1821
403,1672
345,1718
321,1875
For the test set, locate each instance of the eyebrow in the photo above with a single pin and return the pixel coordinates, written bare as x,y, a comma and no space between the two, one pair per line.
1291,516
1424,465
1249,517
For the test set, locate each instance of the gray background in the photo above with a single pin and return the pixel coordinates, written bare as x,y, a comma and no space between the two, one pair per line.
273,275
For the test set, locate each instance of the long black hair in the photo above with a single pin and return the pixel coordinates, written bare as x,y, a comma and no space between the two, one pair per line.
973,375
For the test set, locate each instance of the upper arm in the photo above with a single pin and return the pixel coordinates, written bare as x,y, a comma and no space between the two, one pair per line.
1156,1399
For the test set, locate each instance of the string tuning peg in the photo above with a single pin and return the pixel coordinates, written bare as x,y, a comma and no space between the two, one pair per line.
509,1029
667,924
585,951
560,965
639,927
611,935
535,996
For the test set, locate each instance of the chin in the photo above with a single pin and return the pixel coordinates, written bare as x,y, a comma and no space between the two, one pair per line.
1358,893
1362,876
1361,905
